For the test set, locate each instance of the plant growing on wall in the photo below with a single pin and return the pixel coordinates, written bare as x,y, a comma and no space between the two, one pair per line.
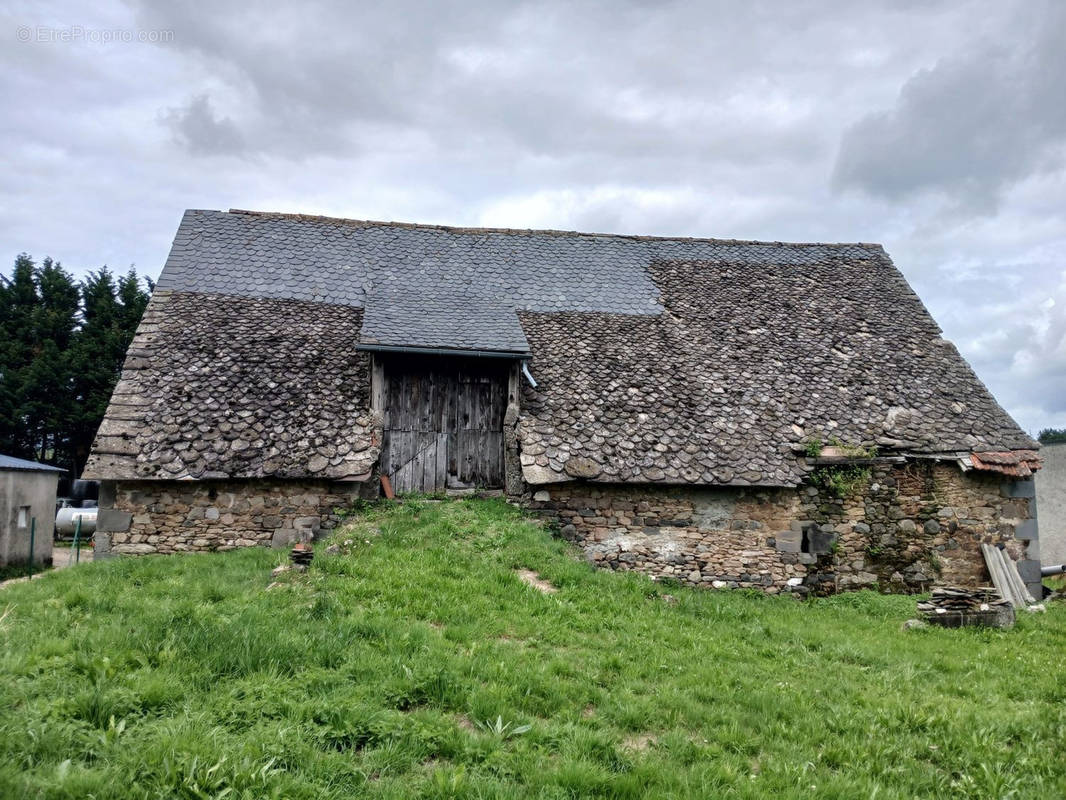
853,450
841,481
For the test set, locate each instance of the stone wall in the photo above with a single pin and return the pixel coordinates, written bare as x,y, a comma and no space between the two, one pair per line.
900,527
139,517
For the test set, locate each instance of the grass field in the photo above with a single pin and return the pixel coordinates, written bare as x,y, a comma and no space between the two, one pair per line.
417,664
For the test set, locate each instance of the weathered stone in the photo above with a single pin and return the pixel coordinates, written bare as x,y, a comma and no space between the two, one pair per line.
200,416
179,517
133,549
582,467
714,536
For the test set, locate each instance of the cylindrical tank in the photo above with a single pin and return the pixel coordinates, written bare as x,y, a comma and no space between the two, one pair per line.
66,521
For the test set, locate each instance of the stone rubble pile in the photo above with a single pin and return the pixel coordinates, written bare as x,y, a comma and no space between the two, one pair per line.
956,607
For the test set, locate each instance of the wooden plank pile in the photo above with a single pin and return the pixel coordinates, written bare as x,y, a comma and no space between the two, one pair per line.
1005,577
956,607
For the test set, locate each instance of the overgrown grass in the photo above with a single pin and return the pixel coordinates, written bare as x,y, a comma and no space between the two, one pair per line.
412,665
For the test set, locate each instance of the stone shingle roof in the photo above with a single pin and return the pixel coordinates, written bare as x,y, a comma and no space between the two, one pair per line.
216,386
657,359
747,363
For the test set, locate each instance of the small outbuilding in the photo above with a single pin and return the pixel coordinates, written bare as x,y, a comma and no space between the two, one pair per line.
27,503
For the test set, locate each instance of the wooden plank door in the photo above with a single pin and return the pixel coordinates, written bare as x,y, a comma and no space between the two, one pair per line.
443,423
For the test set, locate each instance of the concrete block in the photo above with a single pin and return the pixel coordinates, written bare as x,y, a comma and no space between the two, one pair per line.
1026,488
102,545
1029,570
111,521
788,541
1027,530
284,538
821,541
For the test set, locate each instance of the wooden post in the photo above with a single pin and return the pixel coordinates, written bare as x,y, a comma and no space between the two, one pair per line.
514,388
33,535
377,384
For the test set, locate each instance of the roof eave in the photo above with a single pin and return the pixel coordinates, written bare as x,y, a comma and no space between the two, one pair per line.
443,351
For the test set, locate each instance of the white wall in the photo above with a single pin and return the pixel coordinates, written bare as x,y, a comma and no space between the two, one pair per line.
38,491
1051,504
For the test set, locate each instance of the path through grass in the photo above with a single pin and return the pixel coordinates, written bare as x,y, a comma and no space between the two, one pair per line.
416,663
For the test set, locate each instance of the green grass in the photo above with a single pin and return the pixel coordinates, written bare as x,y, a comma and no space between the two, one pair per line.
412,665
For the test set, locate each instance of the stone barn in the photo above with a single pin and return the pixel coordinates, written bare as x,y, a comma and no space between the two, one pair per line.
724,413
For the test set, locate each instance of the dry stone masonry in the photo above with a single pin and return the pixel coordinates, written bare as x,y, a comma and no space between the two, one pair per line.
145,517
904,528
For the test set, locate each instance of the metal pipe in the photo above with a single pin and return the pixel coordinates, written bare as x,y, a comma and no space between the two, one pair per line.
525,371
33,535
77,541
1057,569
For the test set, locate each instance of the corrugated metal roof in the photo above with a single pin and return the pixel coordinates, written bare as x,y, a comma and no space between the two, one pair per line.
21,464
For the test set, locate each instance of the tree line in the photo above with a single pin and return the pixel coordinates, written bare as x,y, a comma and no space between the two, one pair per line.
62,344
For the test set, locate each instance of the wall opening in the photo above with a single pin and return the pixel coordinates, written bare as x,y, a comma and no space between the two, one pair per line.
443,422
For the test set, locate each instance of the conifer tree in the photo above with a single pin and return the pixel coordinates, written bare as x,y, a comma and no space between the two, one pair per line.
61,350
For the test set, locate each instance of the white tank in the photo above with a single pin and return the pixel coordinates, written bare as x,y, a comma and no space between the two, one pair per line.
66,521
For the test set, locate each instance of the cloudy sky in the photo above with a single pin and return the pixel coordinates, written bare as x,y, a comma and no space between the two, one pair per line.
935,128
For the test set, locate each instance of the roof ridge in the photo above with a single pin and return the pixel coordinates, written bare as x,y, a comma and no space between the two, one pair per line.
526,231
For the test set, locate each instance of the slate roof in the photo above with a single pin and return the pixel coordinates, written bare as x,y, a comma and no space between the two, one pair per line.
446,318
22,465
658,360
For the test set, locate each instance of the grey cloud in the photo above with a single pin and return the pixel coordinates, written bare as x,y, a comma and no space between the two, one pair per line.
198,129
971,126
546,80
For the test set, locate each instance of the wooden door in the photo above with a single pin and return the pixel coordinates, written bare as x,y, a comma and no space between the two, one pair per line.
443,423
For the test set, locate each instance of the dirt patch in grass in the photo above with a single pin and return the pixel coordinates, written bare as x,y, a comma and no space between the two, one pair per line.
531,578
465,723
638,742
